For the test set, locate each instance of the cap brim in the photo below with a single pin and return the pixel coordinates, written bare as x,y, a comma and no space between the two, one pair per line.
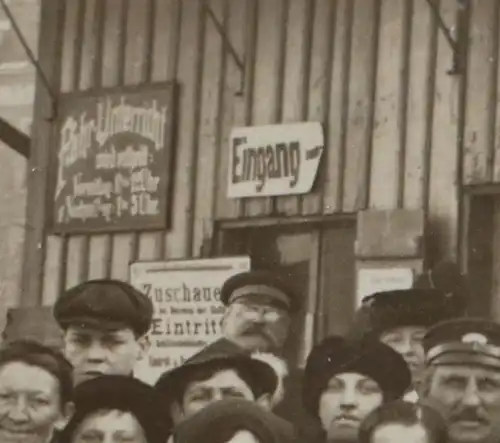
461,358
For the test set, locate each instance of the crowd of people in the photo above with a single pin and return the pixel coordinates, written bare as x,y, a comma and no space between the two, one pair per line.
414,368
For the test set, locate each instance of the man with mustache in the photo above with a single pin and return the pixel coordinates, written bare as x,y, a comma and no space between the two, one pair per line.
462,377
259,305
105,324
345,380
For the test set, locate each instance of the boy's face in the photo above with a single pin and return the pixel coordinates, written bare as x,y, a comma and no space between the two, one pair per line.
199,394
396,432
110,426
94,352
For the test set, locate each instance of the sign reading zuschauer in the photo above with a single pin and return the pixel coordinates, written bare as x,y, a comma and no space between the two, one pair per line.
187,307
113,161
274,159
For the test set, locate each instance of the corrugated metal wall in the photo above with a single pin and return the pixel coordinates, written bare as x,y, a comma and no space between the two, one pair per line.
374,71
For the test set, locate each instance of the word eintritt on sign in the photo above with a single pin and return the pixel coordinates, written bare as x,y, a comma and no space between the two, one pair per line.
274,159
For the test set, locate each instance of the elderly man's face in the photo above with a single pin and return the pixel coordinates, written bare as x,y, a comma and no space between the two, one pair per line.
110,426
347,399
30,404
256,326
94,352
470,398
407,341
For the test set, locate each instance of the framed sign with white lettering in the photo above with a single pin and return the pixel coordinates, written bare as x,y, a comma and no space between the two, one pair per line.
112,166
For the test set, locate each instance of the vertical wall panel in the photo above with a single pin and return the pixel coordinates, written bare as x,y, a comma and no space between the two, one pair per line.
495,93
495,249
178,242
209,131
336,125
89,49
112,33
478,148
137,31
421,74
236,95
443,192
385,144
52,270
296,76
98,256
361,104
70,31
269,61
319,84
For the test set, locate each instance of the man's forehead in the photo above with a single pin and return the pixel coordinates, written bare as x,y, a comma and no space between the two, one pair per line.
260,300
409,329
99,332
350,377
222,378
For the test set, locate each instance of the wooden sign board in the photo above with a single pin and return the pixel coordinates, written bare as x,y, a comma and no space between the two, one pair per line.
112,166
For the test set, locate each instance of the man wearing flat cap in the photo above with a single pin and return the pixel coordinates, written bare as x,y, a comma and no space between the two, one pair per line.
400,319
462,377
347,379
218,372
105,323
258,309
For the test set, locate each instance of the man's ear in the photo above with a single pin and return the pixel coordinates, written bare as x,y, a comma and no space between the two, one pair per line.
176,413
144,346
264,401
65,415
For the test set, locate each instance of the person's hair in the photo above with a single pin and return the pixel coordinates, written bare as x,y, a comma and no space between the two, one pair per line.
406,414
207,370
35,354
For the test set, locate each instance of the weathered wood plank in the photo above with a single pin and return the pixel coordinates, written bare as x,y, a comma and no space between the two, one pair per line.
52,269
267,92
75,262
137,31
112,33
178,239
443,204
362,78
421,76
385,143
68,51
209,137
319,89
235,98
336,124
296,77
122,254
89,48
98,255
478,146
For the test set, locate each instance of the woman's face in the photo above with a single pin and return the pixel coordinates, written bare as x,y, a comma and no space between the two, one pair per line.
243,437
396,432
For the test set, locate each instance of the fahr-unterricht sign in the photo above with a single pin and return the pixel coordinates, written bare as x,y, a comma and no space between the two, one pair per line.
112,163
274,159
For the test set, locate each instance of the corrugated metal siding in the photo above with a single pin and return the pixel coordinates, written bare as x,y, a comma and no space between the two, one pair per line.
374,71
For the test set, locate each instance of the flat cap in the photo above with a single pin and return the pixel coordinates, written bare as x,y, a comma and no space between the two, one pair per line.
220,421
406,307
104,304
463,340
367,356
265,284
122,393
220,355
